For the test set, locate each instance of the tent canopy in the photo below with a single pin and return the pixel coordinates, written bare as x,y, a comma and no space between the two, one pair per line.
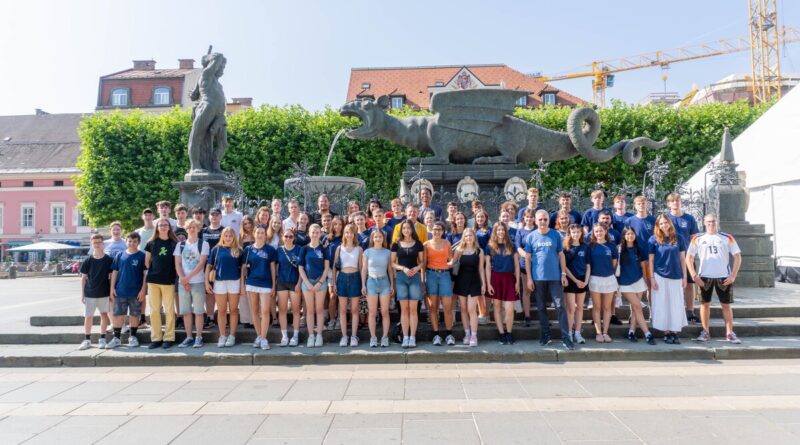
44,245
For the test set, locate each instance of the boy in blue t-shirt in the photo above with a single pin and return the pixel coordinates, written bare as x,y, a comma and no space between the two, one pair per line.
621,214
591,216
128,289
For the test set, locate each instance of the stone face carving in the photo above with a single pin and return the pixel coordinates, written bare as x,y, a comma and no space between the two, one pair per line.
477,126
515,189
467,190
209,137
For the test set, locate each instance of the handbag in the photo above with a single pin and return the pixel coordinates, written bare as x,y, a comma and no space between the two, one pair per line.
212,275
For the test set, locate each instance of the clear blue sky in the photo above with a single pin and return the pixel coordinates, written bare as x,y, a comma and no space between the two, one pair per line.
301,52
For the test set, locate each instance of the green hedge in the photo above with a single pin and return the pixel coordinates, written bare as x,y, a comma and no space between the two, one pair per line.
129,160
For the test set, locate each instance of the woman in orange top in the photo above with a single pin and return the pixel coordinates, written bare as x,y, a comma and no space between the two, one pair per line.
438,283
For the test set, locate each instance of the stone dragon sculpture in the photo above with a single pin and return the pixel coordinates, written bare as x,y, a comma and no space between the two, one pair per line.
477,126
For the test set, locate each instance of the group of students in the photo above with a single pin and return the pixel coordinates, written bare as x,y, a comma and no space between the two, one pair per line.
263,267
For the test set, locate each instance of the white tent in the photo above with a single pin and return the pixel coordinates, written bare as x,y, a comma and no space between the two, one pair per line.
768,151
44,245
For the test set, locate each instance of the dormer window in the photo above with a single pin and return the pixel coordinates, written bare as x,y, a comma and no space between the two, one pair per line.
549,98
365,86
439,83
119,97
161,96
522,101
397,102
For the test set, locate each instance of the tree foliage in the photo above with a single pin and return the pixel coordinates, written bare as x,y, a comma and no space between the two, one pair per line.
129,161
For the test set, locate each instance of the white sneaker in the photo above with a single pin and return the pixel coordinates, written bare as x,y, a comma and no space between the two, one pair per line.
230,341
284,341
133,342
114,343
473,340
412,342
318,341
102,343
579,338
86,344
404,345
257,342
221,341
198,342
311,341
373,342
343,341
384,342
450,340
188,341
353,341
294,340
465,342
437,340
264,344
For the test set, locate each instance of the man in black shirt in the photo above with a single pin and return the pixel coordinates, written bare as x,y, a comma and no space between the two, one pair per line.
96,285
323,208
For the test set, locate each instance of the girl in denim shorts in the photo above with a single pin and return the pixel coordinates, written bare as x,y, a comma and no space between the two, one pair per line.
348,282
378,285
438,283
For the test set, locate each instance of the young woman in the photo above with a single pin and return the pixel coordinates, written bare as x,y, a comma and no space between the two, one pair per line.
576,254
428,219
371,207
632,284
457,228
563,223
258,279
353,207
668,263
348,282
262,217
438,284
527,226
224,260
332,242
408,259
246,237
160,280
470,283
314,267
275,233
277,208
602,282
506,217
482,232
301,235
288,287
502,266
378,285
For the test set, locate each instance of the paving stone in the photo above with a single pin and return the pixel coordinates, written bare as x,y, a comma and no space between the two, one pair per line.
259,390
37,393
80,430
322,389
90,391
307,426
600,425
437,431
234,429
528,428
151,430
15,430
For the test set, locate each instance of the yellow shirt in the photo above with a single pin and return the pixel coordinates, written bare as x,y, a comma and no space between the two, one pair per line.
422,232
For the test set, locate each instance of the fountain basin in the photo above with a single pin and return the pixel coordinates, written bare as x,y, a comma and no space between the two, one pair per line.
316,185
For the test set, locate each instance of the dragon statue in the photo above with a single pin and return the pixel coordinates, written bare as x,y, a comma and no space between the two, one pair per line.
477,126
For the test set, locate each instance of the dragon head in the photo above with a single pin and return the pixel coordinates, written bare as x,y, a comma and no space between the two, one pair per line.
372,115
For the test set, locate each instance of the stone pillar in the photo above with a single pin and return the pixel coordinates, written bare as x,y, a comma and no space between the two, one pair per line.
204,190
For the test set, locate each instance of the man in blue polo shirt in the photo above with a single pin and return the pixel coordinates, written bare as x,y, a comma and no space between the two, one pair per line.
547,275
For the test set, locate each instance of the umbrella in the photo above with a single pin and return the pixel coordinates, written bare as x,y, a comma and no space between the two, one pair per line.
44,245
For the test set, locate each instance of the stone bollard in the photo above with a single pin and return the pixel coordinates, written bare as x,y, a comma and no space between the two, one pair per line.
12,272
59,269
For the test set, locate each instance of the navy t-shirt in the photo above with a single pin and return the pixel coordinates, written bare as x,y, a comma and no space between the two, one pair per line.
454,238
613,235
301,238
685,225
501,261
130,273
577,257
521,212
602,259
630,266
519,242
574,218
591,216
387,237
288,261
667,261
313,261
259,262
618,222
643,228
363,239
226,265
332,244
97,271
483,236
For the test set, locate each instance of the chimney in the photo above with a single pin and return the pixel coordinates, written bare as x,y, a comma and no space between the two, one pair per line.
40,112
186,64
245,102
146,65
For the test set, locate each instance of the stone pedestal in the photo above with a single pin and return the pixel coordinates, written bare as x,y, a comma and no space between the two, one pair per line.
487,176
204,190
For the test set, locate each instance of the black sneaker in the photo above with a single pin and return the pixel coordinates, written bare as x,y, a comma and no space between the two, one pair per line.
526,322
510,338
568,344
632,337
545,340
168,344
675,339
503,339
155,344
668,339
615,320
650,339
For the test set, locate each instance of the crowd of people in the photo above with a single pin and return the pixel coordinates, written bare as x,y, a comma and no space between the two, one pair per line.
346,272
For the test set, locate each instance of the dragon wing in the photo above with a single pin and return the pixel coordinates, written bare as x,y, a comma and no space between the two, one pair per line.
476,111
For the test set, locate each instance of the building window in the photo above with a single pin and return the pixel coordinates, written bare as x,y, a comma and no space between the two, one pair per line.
82,221
397,102
27,217
57,216
439,83
27,183
58,183
549,98
365,86
161,96
522,101
119,97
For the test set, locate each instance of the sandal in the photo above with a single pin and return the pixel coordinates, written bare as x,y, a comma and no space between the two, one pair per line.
599,338
606,338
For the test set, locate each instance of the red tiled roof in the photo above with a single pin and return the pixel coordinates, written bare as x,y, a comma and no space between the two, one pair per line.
148,74
414,82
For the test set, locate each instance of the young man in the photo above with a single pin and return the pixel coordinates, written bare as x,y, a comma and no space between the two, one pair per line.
591,216
127,289
294,214
363,232
380,224
164,210
528,225
323,207
565,204
714,273
397,214
533,203
114,245
160,279
511,207
147,230
685,226
95,275
199,215
425,203
181,213
211,235
230,217
277,207
621,213
474,206
547,276
190,261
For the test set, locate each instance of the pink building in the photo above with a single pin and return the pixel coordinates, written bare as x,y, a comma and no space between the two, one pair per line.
37,194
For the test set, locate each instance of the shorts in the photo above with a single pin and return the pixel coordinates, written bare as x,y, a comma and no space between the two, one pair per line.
438,283
572,288
256,289
724,292
348,284
633,288
285,286
193,300
408,288
603,285
226,287
95,304
127,306
379,286
689,279
322,288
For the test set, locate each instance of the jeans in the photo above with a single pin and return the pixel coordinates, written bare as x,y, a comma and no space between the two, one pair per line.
552,289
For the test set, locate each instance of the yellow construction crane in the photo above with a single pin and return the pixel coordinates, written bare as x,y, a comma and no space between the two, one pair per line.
764,49
602,72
